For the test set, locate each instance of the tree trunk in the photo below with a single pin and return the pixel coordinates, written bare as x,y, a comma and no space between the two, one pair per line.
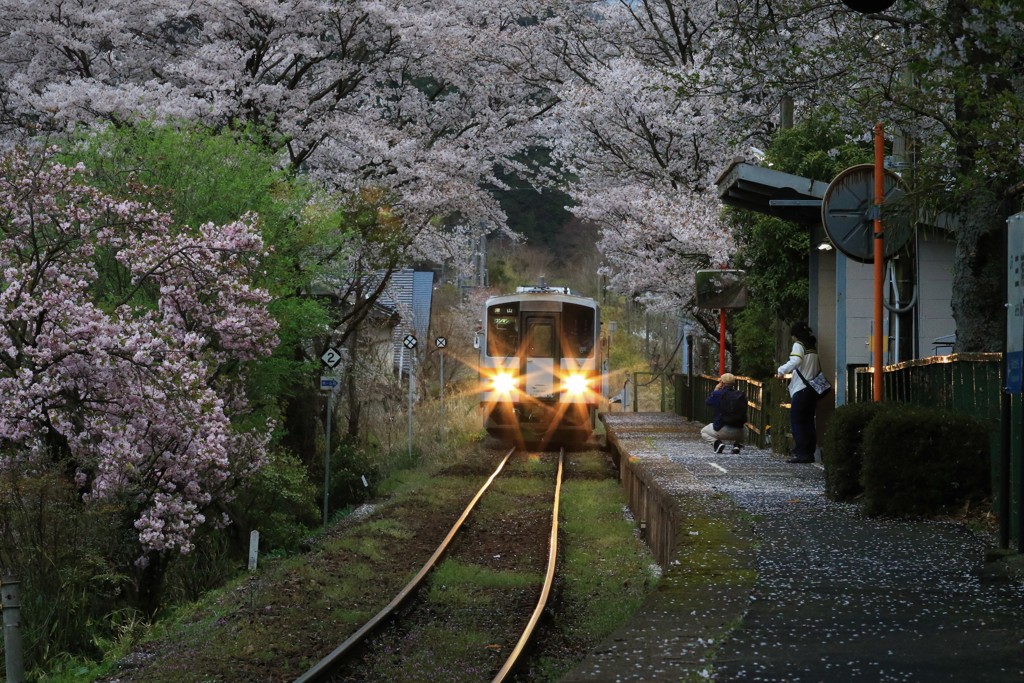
355,406
978,276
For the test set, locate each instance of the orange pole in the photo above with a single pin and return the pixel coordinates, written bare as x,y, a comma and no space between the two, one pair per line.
879,243
721,341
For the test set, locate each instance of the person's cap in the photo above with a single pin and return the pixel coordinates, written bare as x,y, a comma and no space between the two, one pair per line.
728,378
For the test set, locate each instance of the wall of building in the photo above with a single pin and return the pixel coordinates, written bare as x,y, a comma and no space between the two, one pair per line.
935,282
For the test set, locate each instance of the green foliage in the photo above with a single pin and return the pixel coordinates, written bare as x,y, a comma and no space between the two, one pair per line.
279,501
538,216
817,148
69,559
923,460
606,579
842,450
199,175
350,463
773,252
754,335
777,419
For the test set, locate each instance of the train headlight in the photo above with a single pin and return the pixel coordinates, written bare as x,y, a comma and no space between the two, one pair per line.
576,384
503,382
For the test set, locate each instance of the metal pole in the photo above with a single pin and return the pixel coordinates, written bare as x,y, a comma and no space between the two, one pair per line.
327,453
721,341
879,235
412,357
443,433
15,667
663,392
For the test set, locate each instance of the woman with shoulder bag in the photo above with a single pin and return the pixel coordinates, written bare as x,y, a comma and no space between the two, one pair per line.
803,363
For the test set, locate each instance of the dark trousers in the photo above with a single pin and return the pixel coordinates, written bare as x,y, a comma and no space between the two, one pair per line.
801,418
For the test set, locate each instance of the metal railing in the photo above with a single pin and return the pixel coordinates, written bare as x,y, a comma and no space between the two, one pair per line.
763,408
970,383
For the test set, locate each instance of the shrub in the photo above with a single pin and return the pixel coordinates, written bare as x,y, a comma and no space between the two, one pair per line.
842,450
351,463
279,501
923,461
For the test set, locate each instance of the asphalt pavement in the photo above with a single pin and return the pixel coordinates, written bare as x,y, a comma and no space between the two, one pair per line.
772,581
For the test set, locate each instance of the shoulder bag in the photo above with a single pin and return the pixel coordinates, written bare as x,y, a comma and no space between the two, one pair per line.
819,383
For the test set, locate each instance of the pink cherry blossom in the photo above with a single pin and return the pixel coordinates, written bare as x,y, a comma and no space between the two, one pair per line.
113,339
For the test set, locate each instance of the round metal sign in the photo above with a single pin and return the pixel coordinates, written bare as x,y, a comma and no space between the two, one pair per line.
409,341
848,212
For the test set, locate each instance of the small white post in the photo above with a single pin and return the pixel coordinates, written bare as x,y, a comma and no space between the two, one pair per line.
254,549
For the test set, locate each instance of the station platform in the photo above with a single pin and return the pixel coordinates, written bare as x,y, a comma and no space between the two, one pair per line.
768,580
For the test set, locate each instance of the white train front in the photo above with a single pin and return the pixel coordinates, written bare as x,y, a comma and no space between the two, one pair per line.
541,366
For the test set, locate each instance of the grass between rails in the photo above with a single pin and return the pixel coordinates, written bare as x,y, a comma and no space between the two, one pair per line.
276,623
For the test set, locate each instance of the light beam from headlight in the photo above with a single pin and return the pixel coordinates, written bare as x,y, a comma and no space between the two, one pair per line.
576,384
503,383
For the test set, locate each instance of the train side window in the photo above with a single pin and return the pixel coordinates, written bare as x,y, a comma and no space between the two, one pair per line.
540,339
578,329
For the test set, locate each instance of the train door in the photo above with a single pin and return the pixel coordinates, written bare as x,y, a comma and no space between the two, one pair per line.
540,359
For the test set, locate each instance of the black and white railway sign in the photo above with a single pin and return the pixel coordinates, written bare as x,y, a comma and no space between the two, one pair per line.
440,342
409,341
331,357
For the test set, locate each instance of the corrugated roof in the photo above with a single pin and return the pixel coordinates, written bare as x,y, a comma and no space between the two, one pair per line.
790,197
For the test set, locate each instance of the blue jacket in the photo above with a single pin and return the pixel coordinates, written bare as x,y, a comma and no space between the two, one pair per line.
714,400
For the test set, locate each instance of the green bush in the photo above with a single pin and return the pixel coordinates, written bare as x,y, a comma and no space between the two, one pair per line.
923,461
755,343
279,501
842,450
351,463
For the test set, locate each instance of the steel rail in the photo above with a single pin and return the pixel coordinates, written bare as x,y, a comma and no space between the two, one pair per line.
327,663
549,580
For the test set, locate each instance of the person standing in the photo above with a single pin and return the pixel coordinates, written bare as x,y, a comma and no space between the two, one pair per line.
730,417
803,362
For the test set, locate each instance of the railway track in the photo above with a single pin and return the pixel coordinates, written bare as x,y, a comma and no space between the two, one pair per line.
332,666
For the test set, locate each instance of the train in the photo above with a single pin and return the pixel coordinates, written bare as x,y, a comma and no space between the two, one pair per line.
542,367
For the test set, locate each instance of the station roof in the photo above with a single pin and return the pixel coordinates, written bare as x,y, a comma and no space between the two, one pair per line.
765,190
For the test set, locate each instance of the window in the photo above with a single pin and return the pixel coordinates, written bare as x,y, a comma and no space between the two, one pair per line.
503,330
578,330
540,338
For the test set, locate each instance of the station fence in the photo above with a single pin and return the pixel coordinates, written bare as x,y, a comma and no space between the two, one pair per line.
971,383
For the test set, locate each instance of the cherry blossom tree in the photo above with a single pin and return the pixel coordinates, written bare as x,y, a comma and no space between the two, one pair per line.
942,76
123,348
643,127
424,100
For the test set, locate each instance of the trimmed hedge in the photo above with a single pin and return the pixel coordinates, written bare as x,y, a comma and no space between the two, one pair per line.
842,450
923,460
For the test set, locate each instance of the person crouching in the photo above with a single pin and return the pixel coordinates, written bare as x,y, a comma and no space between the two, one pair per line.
729,417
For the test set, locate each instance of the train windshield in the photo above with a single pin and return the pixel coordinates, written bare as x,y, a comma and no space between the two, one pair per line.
578,331
503,330
540,338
